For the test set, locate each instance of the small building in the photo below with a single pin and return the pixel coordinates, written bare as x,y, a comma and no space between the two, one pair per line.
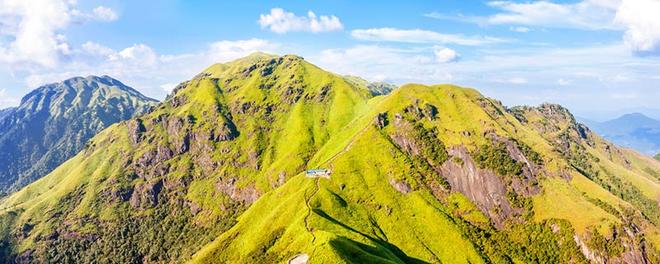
318,173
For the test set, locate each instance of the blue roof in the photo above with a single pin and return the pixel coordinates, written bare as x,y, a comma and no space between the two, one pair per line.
317,170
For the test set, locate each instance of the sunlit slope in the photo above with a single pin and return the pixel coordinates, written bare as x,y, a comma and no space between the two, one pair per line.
423,174
388,200
221,140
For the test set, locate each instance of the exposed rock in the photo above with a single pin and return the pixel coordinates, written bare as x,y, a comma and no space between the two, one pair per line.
121,194
246,194
151,163
419,110
146,195
178,134
400,186
226,132
322,95
381,120
135,130
481,186
526,185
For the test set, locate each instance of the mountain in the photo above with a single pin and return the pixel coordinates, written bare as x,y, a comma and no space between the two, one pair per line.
6,112
376,88
216,173
53,123
634,130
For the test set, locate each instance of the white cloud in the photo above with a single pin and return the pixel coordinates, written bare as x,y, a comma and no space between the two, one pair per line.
445,55
374,62
105,13
421,36
31,31
589,14
281,21
580,78
642,21
229,50
136,54
94,48
168,87
520,29
638,19
144,68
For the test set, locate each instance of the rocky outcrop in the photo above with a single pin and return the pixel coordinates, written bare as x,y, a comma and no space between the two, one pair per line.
245,195
381,120
400,186
135,130
146,195
481,186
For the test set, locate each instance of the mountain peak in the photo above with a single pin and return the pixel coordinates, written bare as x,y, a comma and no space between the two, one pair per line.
54,121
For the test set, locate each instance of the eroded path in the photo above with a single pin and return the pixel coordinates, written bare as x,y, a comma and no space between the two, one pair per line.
318,187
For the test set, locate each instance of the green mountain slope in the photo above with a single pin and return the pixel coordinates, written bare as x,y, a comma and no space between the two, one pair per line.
423,174
53,122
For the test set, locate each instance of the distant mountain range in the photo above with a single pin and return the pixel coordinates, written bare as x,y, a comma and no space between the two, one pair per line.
53,123
216,173
635,131
376,88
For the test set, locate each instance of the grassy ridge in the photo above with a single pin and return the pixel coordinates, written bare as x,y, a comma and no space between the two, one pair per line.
216,175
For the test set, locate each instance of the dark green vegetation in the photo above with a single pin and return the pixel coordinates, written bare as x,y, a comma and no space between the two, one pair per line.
657,156
54,122
422,174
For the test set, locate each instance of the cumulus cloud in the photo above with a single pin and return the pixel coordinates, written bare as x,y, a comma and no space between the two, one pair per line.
374,62
642,23
228,50
142,67
637,19
445,55
591,14
421,36
105,13
31,31
281,21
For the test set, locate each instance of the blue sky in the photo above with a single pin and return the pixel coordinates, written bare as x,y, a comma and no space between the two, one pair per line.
600,58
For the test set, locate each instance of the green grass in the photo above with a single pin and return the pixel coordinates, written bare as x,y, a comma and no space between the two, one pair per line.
290,116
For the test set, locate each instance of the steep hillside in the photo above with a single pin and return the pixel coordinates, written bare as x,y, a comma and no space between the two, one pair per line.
424,174
53,122
189,167
5,112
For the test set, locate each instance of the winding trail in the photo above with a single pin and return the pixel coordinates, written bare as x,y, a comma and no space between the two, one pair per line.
309,209
318,187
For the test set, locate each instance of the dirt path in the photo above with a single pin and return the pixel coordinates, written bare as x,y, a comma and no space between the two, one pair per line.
318,187
309,209
348,146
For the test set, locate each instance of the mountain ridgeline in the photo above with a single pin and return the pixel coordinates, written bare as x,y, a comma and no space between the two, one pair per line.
216,173
635,131
53,122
